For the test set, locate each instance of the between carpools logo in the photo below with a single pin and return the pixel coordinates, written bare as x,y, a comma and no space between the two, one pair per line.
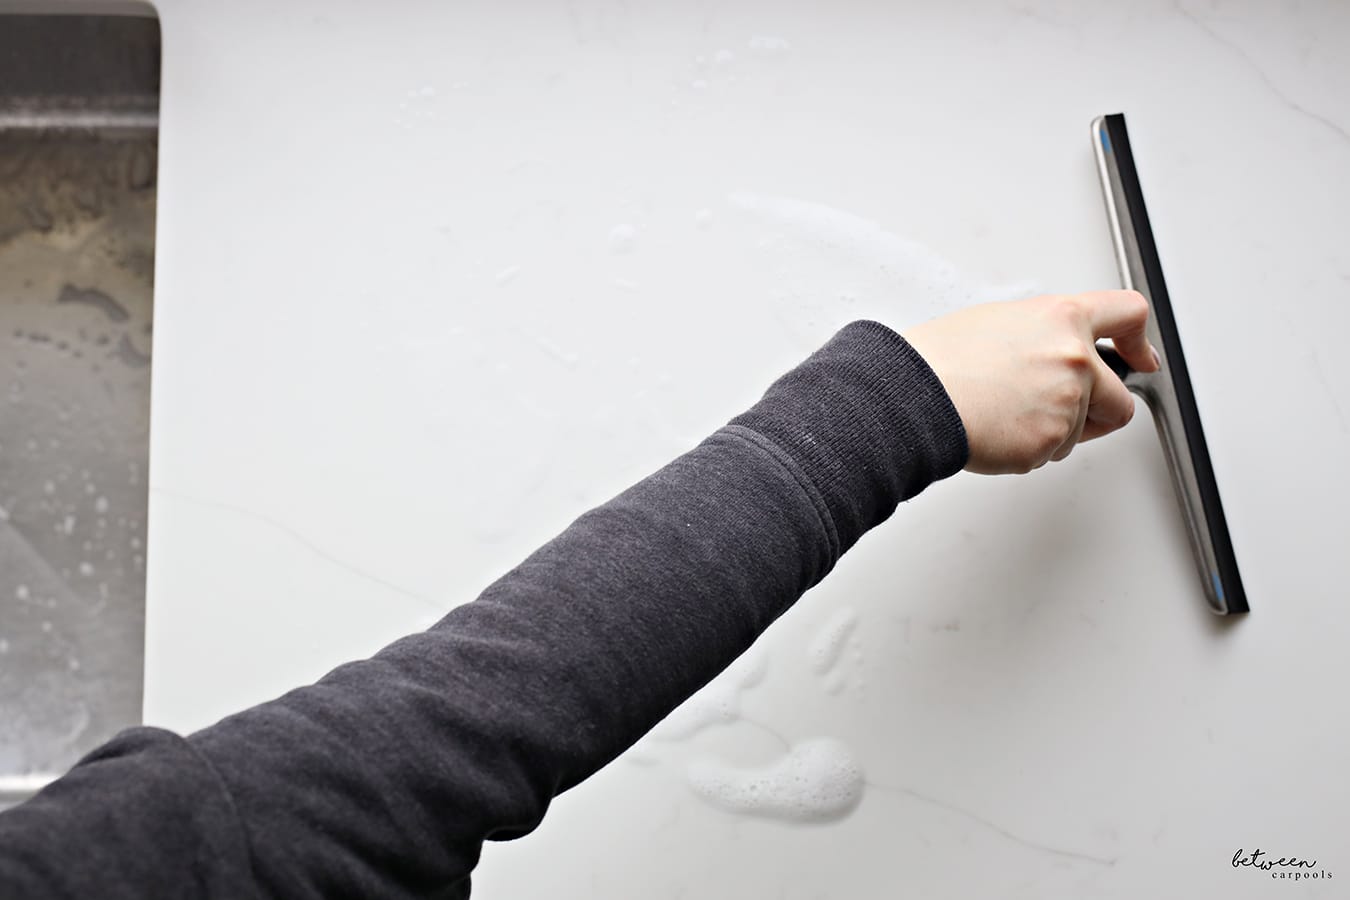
1292,868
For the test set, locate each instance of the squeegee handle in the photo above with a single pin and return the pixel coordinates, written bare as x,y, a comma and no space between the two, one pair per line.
1168,391
1114,361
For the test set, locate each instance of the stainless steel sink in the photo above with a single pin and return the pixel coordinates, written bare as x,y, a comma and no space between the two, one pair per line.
79,98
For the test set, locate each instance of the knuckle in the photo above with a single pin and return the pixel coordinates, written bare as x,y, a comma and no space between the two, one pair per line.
1056,307
1069,307
1067,396
1116,420
1048,440
1126,413
1077,356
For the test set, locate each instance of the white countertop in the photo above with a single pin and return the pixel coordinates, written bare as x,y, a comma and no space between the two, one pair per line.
434,279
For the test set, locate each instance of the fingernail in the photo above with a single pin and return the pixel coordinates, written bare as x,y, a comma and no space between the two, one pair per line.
1157,360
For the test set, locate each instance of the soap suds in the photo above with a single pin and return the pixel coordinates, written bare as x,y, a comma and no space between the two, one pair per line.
718,703
817,781
826,649
417,106
622,238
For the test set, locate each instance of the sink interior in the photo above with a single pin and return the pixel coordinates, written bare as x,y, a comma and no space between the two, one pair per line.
78,162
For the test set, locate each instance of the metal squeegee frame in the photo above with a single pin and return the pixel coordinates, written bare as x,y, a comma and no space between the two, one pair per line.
1168,391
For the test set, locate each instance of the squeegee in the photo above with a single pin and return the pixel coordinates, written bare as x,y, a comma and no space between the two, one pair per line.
1167,391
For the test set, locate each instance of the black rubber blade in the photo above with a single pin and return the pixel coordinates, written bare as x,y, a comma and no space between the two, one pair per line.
1229,586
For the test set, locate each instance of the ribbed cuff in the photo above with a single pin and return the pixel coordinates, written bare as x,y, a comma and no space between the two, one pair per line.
867,421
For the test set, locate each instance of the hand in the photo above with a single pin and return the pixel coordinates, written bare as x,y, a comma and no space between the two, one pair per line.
1025,375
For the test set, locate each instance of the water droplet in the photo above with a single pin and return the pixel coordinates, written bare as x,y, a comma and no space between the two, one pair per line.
769,44
622,238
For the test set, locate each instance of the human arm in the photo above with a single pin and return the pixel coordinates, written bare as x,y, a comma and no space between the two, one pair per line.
385,776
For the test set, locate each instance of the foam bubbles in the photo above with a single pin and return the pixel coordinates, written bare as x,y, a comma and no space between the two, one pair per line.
817,781
718,703
827,647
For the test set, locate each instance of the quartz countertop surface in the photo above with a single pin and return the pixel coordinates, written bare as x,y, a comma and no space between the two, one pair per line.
434,279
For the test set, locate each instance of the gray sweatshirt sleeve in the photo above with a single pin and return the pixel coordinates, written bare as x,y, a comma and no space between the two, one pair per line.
383,778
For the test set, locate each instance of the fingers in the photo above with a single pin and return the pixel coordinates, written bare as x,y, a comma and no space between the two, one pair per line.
1076,435
1107,404
1110,406
1121,316
1111,313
